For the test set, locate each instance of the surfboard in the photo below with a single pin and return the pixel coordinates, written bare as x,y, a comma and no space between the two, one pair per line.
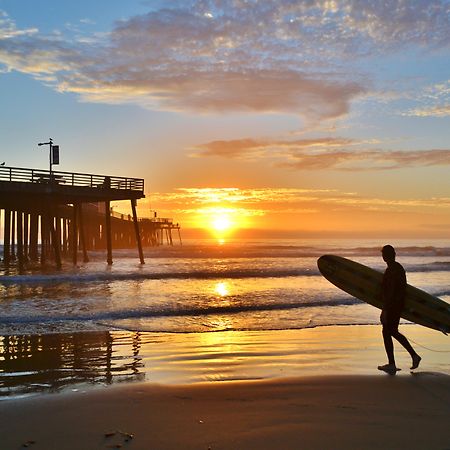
364,283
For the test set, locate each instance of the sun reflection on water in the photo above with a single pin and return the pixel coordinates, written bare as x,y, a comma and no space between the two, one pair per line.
222,289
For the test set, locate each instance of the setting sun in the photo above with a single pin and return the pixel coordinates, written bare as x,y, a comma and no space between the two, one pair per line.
221,220
221,223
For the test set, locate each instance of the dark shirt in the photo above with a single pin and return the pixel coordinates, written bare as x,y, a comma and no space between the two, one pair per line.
394,288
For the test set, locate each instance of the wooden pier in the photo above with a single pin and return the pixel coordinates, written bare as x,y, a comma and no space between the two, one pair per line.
54,215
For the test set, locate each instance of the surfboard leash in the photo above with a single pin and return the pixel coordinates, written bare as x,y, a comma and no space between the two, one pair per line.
427,348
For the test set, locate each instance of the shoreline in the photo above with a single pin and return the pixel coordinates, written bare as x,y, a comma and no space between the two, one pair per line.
36,364
314,388
329,411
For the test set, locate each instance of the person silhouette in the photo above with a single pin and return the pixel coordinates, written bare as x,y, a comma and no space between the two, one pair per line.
393,294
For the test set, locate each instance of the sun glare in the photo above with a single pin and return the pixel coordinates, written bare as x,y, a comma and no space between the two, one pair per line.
221,220
221,289
221,223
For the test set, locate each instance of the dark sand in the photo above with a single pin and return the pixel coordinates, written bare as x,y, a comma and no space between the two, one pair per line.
327,412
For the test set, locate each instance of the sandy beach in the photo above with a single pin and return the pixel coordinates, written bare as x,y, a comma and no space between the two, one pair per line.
328,412
329,403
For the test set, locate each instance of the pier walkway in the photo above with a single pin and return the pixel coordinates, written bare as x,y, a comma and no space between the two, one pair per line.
68,211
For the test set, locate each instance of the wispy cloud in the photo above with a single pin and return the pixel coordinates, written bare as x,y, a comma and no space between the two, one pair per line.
324,153
230,55
432,101
8,29
264,201
433,111
245,148
208,196
368,160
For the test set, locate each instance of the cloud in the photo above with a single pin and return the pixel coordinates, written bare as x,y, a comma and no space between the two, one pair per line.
195,198
329,153
433,111
264,201
368,160
230,55
245,148
432,101
8,29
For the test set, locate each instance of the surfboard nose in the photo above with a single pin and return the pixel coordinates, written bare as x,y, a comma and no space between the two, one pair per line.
326,265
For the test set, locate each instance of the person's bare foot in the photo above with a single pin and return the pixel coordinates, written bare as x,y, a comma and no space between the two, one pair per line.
415,362
391,369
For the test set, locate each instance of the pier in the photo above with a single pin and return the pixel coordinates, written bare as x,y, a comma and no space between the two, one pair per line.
51,215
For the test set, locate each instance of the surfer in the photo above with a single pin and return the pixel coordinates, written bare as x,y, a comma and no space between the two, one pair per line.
393,294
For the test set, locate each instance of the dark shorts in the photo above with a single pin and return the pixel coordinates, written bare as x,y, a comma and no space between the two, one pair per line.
390,322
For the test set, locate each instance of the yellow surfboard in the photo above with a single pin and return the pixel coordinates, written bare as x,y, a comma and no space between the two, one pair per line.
365,283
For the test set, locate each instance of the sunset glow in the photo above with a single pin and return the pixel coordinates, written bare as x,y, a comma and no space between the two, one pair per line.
306,118
222,219
221,223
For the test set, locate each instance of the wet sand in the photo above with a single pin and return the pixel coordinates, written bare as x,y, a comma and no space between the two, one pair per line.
337,399
339,412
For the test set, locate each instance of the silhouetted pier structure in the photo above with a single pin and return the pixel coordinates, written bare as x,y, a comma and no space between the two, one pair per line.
54,214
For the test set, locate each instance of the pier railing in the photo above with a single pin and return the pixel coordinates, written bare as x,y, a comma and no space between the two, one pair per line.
154,220
24,175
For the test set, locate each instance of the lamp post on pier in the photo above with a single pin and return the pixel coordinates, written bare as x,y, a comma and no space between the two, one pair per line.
53,153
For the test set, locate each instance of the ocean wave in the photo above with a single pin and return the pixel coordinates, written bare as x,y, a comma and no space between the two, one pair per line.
147,313
210,274
282,251
195,274
268,250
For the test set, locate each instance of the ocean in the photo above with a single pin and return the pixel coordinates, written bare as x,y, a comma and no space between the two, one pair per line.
86,322
204,286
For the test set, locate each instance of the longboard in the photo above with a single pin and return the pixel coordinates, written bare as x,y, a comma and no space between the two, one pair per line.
364,283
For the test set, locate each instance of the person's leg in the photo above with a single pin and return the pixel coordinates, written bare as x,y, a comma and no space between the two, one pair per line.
408,347
402,339
389,326
388,345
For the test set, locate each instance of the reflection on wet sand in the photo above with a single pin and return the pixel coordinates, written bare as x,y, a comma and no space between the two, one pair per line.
52,362
31,364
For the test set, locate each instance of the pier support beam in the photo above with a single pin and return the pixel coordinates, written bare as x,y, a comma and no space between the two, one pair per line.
74,230
82,233
19,223
65,226
54,238
13,235
136,230
108,232
26,226
43,239
34,228
7,237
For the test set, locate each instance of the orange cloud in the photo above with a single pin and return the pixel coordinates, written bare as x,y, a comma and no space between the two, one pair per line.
304,209
244,148
324,153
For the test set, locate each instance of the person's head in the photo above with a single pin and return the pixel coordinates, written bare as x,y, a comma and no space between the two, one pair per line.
388,253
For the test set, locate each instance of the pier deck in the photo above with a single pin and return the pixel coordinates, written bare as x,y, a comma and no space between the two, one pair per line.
28,186
50,204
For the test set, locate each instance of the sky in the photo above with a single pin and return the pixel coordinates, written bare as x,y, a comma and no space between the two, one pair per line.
244,117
